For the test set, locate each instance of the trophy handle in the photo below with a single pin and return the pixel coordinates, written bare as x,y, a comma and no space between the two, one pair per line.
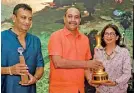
98,41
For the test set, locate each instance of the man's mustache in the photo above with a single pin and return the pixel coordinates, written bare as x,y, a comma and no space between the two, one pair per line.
73,22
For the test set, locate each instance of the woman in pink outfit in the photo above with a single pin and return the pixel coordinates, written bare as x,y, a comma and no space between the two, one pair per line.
115,59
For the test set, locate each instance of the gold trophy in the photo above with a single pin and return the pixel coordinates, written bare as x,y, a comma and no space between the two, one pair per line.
99,76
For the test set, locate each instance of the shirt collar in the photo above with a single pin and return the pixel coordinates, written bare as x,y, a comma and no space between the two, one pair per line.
14,34
67,32
117,49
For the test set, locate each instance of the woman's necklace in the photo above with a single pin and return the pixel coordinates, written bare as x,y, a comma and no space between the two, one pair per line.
108,55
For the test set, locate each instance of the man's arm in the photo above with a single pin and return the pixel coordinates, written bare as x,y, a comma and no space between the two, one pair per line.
17,69
40,63
55,54
60,62
39,72
5,70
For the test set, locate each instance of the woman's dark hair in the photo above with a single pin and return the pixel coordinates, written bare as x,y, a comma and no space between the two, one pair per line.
115,28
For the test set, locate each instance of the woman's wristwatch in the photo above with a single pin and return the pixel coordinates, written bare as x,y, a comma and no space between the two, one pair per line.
115,82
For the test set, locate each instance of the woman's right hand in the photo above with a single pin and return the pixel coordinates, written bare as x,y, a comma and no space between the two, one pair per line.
109,83
92,84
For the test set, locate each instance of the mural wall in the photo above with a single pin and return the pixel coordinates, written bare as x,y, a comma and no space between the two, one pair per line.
48,17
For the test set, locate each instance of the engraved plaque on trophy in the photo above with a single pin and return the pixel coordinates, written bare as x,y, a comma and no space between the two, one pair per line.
99,75
24,78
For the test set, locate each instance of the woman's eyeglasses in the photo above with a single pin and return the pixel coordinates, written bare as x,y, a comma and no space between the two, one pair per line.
112,34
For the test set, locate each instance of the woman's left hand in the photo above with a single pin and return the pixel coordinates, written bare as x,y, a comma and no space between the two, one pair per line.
109,83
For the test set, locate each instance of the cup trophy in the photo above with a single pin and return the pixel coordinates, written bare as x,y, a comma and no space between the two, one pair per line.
99,76
24,78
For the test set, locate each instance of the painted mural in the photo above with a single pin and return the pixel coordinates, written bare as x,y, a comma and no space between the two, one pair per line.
48,17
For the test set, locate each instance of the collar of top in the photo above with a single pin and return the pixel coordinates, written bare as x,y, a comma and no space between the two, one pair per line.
117,49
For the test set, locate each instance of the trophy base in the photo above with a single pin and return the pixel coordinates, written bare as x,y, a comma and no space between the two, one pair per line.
99,77
98,82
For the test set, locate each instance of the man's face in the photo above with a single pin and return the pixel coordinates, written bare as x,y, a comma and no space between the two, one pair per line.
22,20
72,19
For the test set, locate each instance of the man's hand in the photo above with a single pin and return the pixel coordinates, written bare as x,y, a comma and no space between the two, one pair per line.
32,80
19,69
94,64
